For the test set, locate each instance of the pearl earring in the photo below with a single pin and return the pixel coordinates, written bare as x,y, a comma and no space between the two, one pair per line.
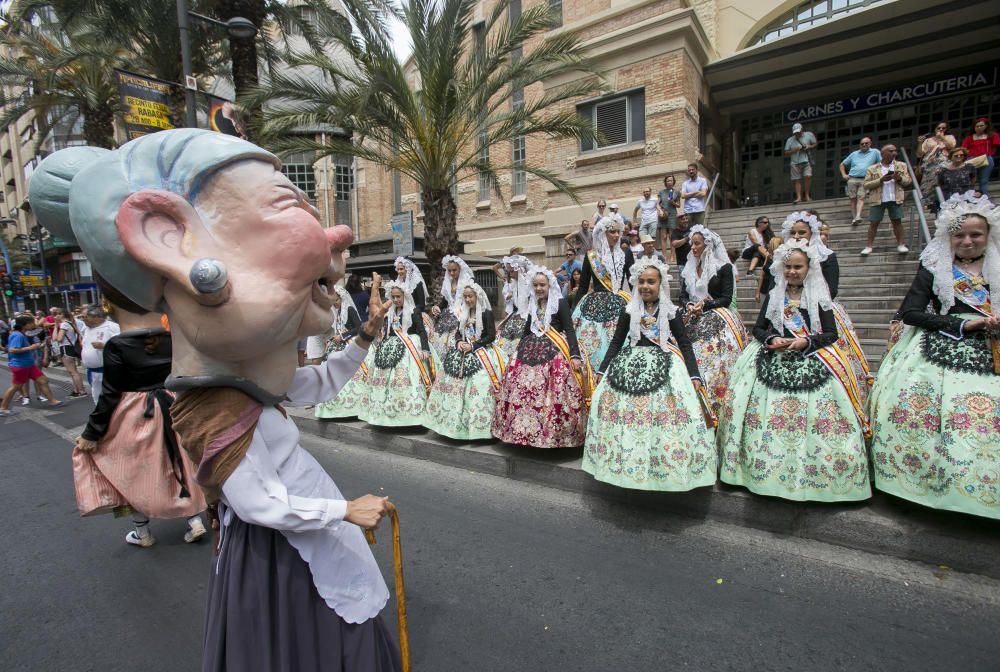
208,276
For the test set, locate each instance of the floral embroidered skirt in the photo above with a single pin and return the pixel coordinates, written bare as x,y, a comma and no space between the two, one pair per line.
646,429
463,399
443,332
540,402
595,319
936,418
717,347
850,346
396,393
350,399
509,335
787,429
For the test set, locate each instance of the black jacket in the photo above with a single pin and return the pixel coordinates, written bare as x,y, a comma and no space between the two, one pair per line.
831,273
588,275
764,331
489,332
128,367
914,307
561,321
677,332
416,328
720,288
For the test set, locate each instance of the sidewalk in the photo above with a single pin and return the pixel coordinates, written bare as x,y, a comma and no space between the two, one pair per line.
884,524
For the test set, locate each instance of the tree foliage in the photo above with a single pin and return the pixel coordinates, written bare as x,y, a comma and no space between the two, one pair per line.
434,127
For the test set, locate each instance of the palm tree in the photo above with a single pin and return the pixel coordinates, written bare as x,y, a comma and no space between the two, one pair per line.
60,75
434,130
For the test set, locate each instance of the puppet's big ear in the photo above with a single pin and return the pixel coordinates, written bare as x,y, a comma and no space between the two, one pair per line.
161,231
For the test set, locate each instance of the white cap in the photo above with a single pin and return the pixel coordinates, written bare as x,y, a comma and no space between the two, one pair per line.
796,128
613,206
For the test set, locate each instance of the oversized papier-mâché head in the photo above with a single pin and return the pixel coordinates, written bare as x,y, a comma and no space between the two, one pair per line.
204,227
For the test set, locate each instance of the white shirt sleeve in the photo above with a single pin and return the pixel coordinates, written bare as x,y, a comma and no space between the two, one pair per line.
321,382
257,495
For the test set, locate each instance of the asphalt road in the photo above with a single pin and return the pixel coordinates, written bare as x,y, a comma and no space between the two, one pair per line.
501,576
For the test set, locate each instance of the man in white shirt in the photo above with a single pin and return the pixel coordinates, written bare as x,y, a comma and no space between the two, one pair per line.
886,183
99,330
648,219
694,191
615,215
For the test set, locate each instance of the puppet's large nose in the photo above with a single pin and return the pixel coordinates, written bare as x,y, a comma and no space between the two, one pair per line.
340,237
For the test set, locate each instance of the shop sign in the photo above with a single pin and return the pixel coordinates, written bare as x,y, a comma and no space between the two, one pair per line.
981,78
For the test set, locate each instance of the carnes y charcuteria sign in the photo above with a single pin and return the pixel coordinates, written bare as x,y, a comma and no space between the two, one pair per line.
979,78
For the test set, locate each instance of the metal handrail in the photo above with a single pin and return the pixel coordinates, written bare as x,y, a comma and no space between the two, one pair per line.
917,198
710,199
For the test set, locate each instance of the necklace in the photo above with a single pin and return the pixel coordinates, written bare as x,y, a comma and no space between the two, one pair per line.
965,262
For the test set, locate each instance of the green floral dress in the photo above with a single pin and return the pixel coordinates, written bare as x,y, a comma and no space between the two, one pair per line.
936,406
463,398
646,429
788,427
350,399
397,382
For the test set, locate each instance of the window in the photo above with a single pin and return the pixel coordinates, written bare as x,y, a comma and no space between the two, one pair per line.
397,192
514,11
298,168
807,15
479,40
619,119
307,16
555,8
519,183
343,178
485,186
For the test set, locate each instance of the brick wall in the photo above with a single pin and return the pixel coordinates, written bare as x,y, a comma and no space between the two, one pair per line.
673,85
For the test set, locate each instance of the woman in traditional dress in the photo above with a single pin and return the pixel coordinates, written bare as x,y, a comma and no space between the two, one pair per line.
512,272
541,402
932,150
717,333
462,400
647,428
792,424
936,401
806,225
408,274
346,323
457,276
128,459
403,367
603,291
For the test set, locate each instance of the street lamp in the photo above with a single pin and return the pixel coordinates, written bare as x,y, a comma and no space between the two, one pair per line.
238,27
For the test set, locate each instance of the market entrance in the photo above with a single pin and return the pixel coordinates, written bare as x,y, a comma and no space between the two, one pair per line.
762,173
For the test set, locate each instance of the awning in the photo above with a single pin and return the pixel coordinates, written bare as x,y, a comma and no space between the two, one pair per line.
886,45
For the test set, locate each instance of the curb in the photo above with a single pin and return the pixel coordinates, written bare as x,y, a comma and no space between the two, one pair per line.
884,524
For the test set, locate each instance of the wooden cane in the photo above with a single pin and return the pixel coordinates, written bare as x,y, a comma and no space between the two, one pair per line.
397,561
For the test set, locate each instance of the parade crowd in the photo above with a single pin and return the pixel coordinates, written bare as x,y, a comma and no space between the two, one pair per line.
664,396
669,397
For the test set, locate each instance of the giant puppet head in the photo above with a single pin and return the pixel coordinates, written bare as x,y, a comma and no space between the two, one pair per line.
204,227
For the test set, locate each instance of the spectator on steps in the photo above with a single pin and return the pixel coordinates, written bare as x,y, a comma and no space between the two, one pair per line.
694,191
886,183
932,150
957,177
982,140
853,170
645,213
799,149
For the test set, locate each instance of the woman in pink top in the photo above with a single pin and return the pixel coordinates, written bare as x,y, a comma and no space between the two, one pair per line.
982,140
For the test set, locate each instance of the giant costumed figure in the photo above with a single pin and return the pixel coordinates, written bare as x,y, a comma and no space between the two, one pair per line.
206,228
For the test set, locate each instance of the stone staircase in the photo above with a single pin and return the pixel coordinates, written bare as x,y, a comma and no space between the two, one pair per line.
871,288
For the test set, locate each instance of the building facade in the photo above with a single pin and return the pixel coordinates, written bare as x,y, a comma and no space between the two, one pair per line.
720,83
